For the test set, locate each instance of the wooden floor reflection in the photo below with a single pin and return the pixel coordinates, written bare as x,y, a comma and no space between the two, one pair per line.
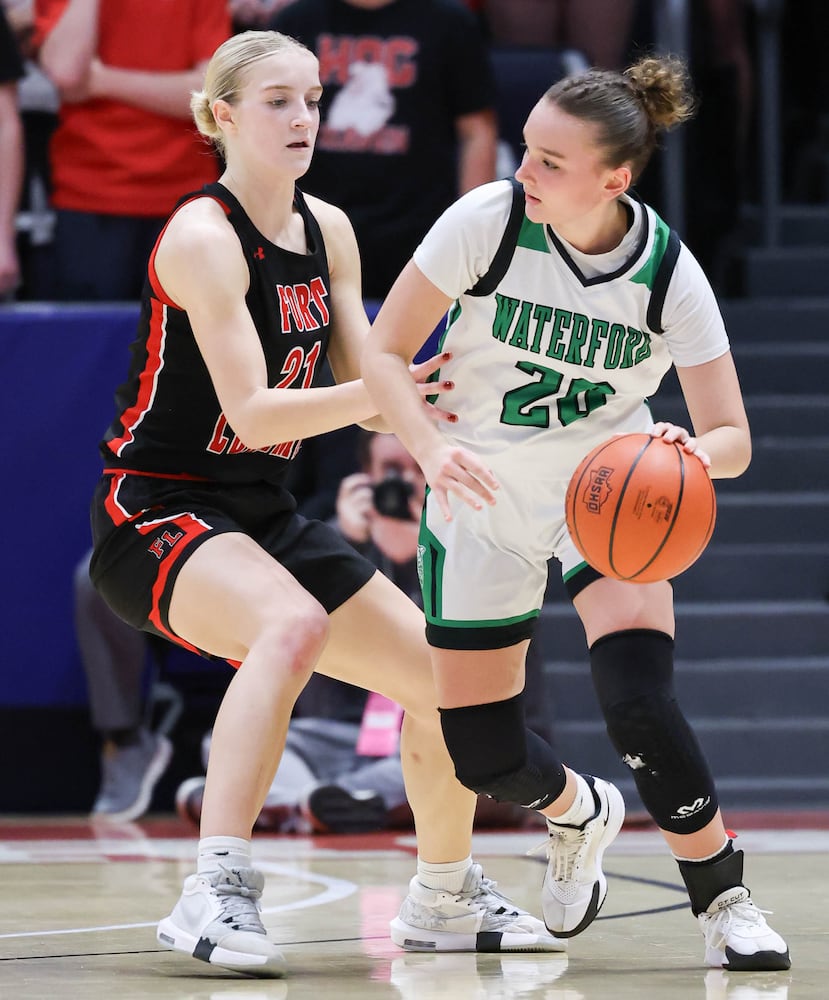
80,903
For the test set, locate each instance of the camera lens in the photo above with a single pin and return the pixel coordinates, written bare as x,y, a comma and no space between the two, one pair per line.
391,498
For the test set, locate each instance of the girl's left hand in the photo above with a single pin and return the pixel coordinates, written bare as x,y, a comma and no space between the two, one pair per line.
675,434
420,373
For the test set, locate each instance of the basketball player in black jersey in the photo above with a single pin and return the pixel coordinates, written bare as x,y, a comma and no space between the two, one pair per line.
250,288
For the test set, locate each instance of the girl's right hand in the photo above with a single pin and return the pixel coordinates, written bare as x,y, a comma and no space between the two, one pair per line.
451,469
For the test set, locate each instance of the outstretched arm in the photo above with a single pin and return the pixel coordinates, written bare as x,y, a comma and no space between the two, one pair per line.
350,325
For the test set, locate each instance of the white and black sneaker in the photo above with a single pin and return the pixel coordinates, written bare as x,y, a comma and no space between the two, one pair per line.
478,918
217,920
575,887
737,936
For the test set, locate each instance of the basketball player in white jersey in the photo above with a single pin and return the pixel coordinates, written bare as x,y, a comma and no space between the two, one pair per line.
562,321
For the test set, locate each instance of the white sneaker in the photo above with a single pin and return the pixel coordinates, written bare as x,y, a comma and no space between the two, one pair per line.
574,887
217,920
737,936
475,919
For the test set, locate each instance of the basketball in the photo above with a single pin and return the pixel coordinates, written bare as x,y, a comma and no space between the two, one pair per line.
640,508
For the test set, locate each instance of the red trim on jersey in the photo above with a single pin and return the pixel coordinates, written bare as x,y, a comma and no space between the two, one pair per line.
151,271
157,475
191,528
116,513
133,415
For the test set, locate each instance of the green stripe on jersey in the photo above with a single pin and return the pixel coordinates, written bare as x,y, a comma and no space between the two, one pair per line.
532,236
646,273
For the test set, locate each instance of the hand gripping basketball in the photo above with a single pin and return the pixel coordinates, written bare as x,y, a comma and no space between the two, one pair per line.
640,508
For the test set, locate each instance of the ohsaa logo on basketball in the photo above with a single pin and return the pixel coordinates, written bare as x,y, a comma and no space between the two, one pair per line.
598,489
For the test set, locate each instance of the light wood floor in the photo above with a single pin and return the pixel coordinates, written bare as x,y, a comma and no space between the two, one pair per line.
80,904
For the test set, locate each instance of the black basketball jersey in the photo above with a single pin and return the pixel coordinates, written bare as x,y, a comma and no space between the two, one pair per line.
169,419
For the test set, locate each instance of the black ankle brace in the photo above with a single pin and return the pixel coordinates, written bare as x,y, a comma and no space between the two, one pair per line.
705,880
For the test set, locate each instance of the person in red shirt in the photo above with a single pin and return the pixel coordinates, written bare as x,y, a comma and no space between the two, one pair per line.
125,146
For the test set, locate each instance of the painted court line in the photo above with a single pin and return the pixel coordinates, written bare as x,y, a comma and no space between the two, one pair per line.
333,889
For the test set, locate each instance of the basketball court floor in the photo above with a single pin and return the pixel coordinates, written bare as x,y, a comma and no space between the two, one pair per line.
80,903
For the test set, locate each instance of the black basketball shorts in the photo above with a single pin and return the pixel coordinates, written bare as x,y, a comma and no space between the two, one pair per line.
145,527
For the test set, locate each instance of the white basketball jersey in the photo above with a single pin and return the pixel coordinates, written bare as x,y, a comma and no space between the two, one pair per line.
560,356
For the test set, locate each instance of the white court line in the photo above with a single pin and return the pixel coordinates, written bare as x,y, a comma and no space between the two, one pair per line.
334,889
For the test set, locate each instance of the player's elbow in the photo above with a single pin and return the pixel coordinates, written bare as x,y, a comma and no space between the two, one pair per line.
744,457
247,428
737,458
67,75
252,436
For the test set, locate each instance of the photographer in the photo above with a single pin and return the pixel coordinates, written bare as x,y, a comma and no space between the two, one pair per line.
378,508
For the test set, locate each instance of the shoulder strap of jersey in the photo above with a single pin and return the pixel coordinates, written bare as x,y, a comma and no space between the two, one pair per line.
487,283
661,281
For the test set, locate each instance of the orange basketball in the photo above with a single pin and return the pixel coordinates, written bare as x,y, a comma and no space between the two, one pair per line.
640,509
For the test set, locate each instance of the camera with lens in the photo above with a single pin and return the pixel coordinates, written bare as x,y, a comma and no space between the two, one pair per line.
391,497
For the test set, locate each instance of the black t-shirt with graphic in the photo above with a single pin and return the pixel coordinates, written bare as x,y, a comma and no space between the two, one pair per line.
395,80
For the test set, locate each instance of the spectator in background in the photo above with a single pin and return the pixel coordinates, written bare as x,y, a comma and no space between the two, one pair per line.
598,28
124,147
407,119
38,103
11,157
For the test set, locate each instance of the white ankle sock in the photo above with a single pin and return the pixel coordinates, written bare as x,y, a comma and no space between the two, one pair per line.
450,876
582,809
229,852
708,857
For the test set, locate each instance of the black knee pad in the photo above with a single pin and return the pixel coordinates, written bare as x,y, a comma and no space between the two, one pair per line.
496,755
633,677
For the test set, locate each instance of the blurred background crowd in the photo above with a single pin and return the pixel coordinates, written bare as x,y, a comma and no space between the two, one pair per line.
96,141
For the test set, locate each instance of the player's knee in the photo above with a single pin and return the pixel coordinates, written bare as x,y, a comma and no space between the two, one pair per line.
296,636
633,677
496,755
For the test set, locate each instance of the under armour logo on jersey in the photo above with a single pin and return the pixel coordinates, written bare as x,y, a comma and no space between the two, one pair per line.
259,253
298,304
